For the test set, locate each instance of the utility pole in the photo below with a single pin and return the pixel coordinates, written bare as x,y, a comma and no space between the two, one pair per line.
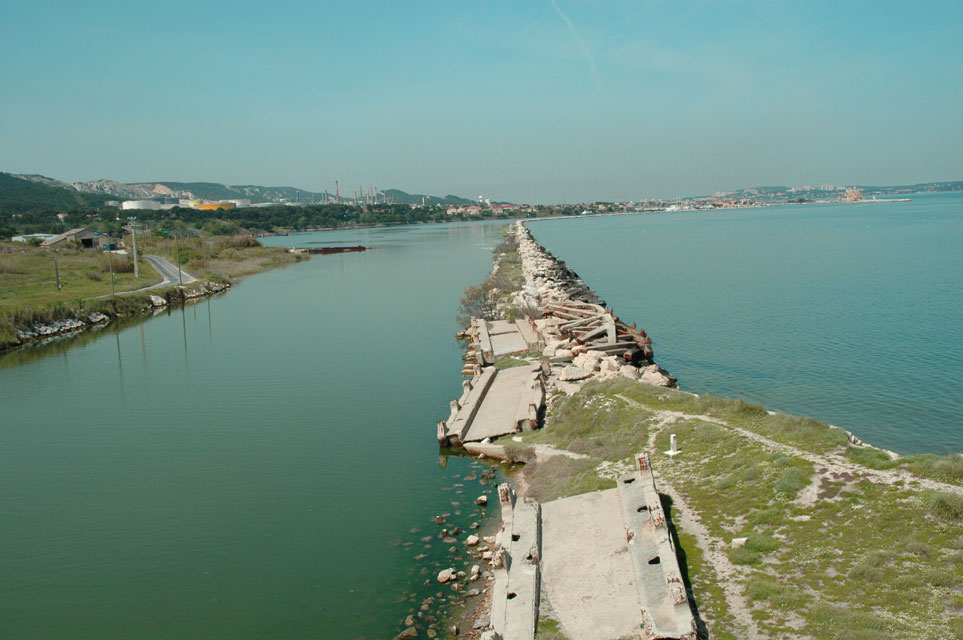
180,278
133,233
110,261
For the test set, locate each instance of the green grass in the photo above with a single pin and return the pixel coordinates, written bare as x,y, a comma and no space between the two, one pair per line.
509,362
882,560
548,629
28,287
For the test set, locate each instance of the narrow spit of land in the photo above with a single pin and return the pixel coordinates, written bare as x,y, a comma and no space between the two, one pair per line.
783,526
47,293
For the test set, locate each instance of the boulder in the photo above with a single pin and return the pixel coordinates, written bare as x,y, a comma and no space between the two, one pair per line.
445,575
656,376
481,500
471,540
629,372
573,373
157,301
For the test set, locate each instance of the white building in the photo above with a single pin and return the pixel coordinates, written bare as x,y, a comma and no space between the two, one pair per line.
141,204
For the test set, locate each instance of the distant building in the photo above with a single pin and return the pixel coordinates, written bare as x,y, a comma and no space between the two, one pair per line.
80,237
30,236
152,205
214,206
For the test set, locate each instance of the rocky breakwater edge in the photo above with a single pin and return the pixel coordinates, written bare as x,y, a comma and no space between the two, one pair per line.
536,333
70,320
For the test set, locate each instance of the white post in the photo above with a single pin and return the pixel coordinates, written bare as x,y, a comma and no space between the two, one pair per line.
673,446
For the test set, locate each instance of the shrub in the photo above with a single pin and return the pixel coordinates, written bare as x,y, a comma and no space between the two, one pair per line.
946,506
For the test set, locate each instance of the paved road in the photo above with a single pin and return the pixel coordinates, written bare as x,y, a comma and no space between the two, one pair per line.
167,270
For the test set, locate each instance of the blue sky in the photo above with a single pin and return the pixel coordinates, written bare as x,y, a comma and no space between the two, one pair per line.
529,101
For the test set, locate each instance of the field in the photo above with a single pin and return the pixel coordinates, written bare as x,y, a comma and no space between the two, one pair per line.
841,541
28,274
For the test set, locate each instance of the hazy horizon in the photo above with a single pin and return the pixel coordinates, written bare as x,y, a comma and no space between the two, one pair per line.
545,102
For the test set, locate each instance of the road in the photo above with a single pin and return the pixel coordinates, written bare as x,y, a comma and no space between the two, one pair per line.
167,270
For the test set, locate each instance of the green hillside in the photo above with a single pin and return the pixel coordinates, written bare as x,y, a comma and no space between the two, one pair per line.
19,196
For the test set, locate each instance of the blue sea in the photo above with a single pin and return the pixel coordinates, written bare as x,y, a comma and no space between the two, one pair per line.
848,313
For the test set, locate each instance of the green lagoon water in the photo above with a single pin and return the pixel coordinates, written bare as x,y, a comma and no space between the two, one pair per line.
852,314
263,464
260,465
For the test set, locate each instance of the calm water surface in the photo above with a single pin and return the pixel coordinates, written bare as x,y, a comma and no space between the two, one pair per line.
852,314
260,465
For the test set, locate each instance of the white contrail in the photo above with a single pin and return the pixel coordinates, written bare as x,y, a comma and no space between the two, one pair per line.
585,50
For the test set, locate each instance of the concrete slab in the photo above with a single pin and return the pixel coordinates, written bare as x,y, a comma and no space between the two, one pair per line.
506,403
499,327
465,412
528,333
587,571
515,594
504,344
662,598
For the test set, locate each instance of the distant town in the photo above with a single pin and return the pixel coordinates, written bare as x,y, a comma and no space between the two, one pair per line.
39,207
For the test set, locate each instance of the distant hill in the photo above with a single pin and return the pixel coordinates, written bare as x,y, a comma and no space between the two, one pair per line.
113,190
400,197
19,194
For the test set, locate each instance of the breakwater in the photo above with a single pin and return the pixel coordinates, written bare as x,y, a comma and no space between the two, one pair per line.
545,331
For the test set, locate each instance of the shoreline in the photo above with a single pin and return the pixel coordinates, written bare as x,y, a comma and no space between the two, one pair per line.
716,584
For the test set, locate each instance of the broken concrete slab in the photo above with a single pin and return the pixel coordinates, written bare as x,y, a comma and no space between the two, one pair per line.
516,591
586,572
663,601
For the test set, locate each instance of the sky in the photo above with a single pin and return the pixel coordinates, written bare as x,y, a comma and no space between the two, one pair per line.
522,100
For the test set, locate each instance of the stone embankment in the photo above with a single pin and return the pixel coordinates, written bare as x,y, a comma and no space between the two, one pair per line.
576,327
29,333
567,337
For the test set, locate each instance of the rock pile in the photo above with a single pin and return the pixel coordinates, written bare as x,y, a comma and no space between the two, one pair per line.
547,278
549,282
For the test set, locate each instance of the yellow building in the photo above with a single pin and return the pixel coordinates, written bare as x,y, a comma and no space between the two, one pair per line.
213,206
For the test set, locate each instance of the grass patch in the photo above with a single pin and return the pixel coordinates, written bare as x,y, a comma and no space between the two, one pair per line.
510,362
775,593
549,629
560,477
945,506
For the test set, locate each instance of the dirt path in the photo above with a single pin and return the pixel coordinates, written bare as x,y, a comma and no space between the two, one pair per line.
713,549
833,462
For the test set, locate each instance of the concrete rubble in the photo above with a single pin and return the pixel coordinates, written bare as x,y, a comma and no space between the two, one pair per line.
606,559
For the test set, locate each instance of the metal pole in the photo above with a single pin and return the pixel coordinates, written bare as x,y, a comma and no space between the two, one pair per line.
180,278
110,261
133,233
57,271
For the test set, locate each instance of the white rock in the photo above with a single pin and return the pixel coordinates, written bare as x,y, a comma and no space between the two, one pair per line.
574,373
471,540
655,376
481,500
157,301
738,542
630,372
445,575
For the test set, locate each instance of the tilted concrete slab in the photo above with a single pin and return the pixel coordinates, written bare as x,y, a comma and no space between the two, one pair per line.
511,404
464,410
587,573
516,564
662,598
506,344
529,333
499,327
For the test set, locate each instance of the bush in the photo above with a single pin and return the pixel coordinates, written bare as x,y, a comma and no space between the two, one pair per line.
946,506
